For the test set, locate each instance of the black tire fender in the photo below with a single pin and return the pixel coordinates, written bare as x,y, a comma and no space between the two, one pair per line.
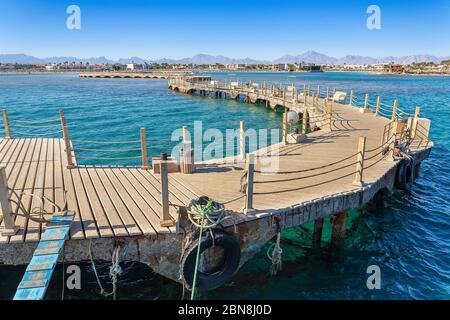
211,281
405,175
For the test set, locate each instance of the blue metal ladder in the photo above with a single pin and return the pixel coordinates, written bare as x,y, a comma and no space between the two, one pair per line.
39,272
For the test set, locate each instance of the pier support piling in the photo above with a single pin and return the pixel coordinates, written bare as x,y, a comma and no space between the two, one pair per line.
338,226
317,235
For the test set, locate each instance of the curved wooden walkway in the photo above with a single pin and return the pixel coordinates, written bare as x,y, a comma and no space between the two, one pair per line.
126,201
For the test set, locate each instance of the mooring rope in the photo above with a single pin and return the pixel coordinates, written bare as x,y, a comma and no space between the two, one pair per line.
274,254
114,271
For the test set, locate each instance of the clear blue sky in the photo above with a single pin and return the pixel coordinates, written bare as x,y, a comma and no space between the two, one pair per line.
257,29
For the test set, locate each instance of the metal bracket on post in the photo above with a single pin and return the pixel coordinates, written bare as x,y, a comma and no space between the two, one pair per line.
9,228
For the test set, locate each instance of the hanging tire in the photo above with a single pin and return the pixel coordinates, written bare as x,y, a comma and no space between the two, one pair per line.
221,274
405,175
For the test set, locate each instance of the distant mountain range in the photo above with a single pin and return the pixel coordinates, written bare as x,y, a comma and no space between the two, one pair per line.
307,57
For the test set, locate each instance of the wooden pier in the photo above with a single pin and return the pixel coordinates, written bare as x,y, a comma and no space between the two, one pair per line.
133,75
349,149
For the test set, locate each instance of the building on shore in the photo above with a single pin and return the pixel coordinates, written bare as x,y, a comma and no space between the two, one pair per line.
394,68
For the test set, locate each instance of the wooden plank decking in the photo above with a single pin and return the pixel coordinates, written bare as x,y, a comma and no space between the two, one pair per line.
108,201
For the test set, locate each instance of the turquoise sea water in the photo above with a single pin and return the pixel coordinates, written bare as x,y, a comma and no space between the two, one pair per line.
405,233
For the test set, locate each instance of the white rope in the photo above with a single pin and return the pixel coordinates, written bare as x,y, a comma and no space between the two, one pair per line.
115,269
274,254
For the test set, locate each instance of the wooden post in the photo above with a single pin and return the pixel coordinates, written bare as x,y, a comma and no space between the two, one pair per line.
338,226
378,106
305,122
145,165
415,122
188,160
317,235
6,124
304,90
351,98
284,127
360,162
305,100
309,89
366,101
318,90
165,221
9,228
329,106
250,167
67,145
328,92
242,140
394,110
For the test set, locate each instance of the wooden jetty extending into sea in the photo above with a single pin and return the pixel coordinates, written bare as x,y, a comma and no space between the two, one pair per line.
347,149
133,75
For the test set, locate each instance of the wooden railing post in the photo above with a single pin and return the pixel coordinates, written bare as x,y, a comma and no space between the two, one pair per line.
9,228
366,101
67,145
304,90
318,90
250,167
242,140
328,93
415,123
284,128
351,98
329,108
188,161
165,221
305,122
309,90
144,155
6,124
377,109
394,110
360,162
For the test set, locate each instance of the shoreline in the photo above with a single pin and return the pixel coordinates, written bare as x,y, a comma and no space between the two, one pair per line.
241,71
